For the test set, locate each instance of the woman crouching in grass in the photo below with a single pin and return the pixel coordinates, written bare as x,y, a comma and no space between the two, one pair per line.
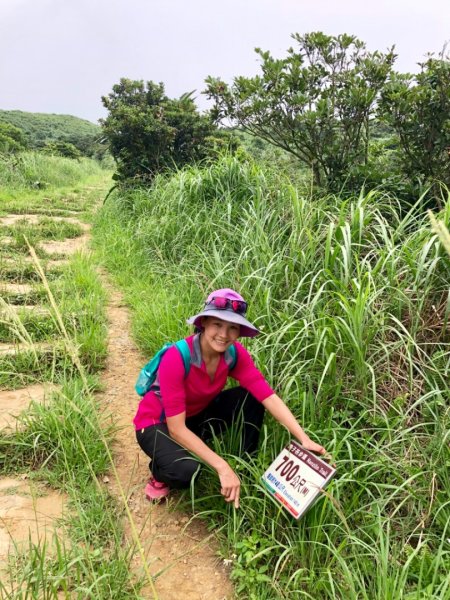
180,414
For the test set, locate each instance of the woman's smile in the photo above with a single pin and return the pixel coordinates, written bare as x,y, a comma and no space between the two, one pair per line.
218,335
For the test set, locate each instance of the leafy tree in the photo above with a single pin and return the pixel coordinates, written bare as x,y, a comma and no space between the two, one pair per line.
149,132
12,139
316,103
417,108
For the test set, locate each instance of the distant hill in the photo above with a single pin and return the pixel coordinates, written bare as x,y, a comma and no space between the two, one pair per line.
42,128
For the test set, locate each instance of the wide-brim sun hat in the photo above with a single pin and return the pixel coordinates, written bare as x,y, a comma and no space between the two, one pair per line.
228,305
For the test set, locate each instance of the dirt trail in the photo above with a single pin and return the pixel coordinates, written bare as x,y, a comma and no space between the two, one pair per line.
187,551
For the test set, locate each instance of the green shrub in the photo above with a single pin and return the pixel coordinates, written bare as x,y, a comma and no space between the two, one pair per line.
149,133
12,138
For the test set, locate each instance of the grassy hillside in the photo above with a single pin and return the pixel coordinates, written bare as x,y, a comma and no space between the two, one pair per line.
41,128
353,304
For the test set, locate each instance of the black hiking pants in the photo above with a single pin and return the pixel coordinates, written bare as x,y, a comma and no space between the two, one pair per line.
174,465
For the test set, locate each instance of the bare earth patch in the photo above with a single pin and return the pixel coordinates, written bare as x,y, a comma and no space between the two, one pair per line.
66,247
27,511
12,349
15,288
186,551
12,310
13,402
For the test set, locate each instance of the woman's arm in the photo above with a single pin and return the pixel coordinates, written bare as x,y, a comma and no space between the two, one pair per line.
278,409
229,481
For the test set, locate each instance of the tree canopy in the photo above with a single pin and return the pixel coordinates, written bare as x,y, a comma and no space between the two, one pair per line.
417,108
316,103
149,132
12,139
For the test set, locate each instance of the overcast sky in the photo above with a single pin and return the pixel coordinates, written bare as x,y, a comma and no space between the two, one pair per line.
61,56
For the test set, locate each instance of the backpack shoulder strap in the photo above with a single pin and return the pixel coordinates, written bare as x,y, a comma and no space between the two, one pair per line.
184,350
231,357
148,373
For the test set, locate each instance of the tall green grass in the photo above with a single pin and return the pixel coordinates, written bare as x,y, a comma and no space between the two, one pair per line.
38,183
80,299
354,305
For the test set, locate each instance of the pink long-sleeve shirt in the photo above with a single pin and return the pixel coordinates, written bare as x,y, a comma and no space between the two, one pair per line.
178,393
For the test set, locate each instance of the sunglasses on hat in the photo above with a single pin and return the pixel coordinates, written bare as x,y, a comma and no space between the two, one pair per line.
237,306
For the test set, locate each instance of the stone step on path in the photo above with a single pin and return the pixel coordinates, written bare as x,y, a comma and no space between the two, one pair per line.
12,310
22,289
13,349
34,218
14,402
47,263
66,247
48,212
8,289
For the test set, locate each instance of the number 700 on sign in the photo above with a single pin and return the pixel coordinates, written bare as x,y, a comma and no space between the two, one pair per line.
296,478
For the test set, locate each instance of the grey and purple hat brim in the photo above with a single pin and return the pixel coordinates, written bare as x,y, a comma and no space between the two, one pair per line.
247,329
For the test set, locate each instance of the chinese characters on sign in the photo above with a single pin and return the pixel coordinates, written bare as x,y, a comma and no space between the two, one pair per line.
296,478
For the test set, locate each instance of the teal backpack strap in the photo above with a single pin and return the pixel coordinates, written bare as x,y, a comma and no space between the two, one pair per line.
147,375
185,352
231,357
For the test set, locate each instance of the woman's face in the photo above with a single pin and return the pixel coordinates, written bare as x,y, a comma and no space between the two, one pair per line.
219,335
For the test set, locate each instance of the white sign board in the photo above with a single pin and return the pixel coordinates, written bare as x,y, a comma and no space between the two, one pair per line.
296,478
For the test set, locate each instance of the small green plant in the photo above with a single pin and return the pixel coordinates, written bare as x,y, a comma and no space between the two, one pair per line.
251,565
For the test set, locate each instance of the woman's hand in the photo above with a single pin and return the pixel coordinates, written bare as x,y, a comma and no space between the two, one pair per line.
283,415
230,485
308,443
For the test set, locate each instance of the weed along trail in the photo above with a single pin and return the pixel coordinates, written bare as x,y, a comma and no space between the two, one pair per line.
181,555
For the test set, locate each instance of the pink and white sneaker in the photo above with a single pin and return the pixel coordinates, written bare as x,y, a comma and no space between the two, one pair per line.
155,490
